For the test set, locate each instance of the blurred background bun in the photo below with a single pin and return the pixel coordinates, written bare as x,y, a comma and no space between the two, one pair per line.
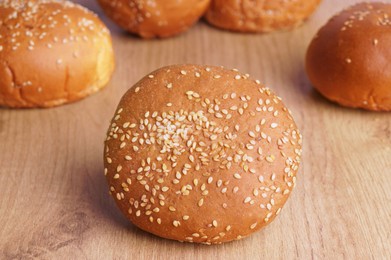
51,53
259,15
348,61
155,18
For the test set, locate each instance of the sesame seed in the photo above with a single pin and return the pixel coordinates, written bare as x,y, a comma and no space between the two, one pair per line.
247,200
270,158
237,77
183,72
214,223
200,202
237,176
185,217
169,85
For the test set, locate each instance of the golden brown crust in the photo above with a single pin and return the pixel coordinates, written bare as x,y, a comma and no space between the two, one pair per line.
201,154
155,18
259,15
51,53
349,60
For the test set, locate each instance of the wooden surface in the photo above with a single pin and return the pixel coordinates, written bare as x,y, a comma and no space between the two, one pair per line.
54,202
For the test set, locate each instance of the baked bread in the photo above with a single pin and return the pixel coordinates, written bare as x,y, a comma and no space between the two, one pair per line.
348,61
259,15
201,154
155,18
51,53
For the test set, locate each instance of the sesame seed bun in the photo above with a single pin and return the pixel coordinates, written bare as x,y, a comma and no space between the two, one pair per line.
155,18
51,53
259,15
211,156
348,61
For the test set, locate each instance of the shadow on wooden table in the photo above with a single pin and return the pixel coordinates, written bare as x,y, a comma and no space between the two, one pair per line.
306,89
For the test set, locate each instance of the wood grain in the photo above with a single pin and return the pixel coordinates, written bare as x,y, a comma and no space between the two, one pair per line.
54,202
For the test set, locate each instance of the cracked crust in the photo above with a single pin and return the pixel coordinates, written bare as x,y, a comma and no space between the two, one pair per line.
155,18
259,15
51,53
348,61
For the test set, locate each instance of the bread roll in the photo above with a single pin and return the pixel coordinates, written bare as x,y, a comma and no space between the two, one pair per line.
259,15
155,18
51,53
201,154
348,61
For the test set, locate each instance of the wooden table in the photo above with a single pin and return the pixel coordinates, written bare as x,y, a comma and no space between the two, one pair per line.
54,200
